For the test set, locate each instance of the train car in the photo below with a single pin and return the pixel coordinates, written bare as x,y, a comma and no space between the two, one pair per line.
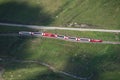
37,33
95,40
60,36
65,37
25,33
74,38
85,39
77,39
49,34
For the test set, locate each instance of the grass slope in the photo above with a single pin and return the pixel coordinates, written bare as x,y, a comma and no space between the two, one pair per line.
100,60
100,13
76,58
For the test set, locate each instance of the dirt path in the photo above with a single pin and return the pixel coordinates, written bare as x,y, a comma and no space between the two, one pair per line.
46,65
59,28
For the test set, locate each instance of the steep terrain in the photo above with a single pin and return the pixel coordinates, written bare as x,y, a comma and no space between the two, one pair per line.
94,61
68,13
97,61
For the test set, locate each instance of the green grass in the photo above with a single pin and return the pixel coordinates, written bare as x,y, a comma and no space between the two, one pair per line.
9,29
29,72
80,59
101,60
24,13
100,13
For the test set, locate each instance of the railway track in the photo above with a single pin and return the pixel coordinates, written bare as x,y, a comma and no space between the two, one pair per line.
103,42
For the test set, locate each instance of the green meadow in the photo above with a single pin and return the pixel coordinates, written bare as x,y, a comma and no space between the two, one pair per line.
80,59
97,61
97,14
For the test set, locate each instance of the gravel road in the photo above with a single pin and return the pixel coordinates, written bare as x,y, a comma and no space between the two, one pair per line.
59,28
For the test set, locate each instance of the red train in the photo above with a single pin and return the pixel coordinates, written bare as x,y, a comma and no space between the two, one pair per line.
95,40
46,34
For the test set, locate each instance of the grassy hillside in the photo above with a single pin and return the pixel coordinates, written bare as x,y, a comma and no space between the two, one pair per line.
99,60
102,13
97,13
80,59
